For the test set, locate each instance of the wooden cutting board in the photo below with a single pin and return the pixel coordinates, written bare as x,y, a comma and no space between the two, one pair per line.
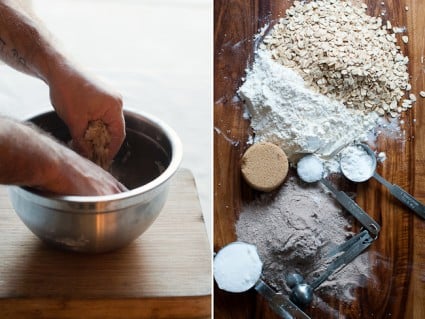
398,255
165,273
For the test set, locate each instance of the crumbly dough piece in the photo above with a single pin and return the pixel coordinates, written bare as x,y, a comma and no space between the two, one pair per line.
98,137
264,166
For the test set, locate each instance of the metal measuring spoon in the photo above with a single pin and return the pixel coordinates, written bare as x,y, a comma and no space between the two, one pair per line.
302,293
394,189
350,205
279,303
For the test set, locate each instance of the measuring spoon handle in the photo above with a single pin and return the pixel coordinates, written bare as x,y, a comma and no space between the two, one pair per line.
279,303
351,206
402,196
357,246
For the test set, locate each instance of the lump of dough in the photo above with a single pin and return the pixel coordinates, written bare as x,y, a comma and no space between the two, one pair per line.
97,136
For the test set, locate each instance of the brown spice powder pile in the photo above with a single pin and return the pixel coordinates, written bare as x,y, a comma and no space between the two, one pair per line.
98,137
294,230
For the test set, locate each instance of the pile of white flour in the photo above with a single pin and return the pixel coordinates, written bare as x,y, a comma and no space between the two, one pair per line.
286,112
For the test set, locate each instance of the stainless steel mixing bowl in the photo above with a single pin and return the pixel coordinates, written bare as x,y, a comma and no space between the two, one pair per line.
150,155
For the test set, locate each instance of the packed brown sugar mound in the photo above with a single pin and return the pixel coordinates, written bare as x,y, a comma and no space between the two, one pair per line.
97,136
264,166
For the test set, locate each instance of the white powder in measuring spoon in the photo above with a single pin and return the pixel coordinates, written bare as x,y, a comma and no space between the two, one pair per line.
356,164
310,169
286,112
237,267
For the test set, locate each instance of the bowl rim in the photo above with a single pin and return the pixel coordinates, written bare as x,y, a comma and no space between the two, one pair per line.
176,158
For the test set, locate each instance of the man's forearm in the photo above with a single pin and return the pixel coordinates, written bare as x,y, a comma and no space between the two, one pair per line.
24,44
31,158
26,155
77,97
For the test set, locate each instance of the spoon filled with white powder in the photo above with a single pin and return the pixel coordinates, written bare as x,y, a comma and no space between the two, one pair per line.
358,164
238,268
310,169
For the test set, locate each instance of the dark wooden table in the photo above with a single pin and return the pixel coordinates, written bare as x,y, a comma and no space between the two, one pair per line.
399,254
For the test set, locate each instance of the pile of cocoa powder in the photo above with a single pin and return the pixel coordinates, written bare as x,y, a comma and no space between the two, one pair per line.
294,229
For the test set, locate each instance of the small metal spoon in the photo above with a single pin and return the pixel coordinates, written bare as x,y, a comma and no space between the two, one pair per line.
394,189
350,205
302,293
280,303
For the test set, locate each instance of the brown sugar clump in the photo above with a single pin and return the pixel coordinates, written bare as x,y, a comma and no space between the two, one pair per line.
264,166
97,136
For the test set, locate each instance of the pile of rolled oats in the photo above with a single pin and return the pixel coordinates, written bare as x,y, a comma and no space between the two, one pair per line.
342,52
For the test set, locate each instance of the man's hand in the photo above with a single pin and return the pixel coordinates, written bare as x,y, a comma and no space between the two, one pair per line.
31,158
76,175
79,99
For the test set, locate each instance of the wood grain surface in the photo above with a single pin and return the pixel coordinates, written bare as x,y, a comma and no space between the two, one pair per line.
398,256
165,273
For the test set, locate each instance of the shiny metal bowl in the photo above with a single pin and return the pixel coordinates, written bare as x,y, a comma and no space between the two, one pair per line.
150,155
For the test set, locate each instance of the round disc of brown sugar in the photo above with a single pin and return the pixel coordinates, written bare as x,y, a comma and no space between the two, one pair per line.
264,166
